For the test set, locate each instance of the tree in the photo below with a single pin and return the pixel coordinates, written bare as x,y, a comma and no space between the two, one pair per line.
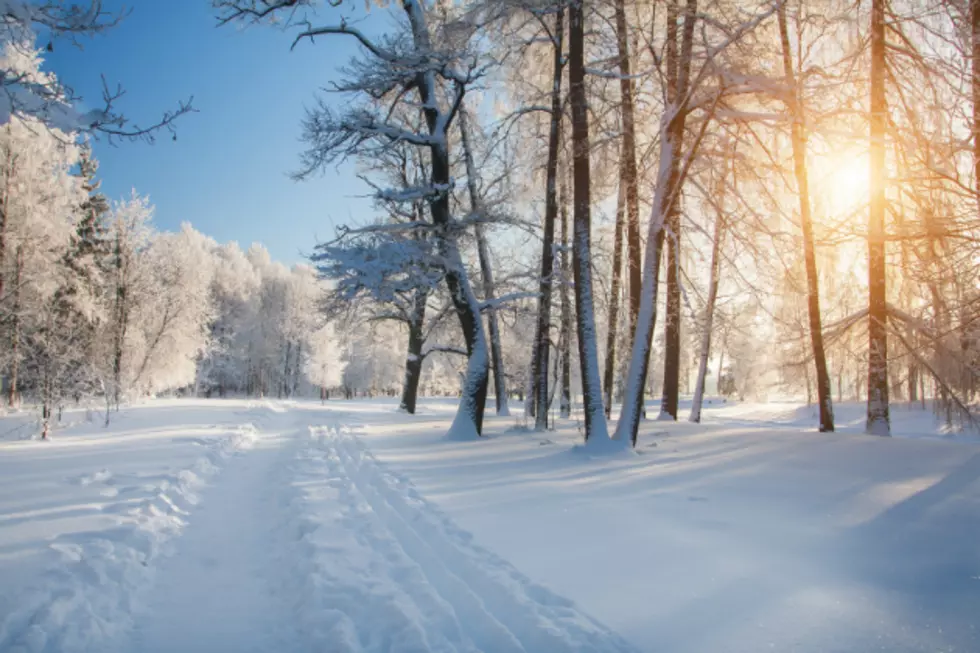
27,92
878,420
542,342
595,417
479,215
806,225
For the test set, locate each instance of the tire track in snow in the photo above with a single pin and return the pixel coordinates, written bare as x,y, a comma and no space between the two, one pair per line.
433,583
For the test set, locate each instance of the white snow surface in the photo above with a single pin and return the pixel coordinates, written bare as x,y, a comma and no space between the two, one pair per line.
193,525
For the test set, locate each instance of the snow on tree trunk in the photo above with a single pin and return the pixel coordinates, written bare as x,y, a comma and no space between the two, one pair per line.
636,376
628,155
542,349
596,431
468,422
486,270
799,143
709,315
608,380
878,422
565,334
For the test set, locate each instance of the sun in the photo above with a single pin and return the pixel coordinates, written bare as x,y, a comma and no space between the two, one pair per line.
843,183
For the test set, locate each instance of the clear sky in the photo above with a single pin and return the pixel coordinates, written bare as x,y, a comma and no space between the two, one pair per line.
227,173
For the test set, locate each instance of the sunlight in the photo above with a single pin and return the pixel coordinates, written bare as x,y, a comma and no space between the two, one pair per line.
843,183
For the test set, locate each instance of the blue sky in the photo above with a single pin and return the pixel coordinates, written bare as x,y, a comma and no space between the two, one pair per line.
227,173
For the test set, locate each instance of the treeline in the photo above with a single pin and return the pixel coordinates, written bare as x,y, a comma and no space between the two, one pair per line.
96,303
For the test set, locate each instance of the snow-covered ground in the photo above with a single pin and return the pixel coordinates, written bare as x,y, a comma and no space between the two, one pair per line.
194,525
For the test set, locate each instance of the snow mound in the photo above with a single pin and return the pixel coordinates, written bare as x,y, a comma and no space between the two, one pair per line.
390,567
86,596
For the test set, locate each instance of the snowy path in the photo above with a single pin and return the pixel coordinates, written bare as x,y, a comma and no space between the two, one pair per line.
394,574
224,586
306,542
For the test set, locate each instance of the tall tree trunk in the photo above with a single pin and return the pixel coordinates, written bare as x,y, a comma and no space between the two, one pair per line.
678,71
122,317
469,416
672,327
664,203
975,63
611,329
414,359
8,173
878,422
542,348
628,155
709,315
799,141
284,386
565,337
297,367
13,399
595,417
486,270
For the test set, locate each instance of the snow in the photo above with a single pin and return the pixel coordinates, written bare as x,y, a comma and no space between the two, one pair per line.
202,525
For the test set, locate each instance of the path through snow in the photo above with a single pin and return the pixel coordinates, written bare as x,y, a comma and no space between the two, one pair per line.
307,542
225,587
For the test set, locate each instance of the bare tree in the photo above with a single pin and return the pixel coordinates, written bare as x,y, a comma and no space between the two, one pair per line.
798,138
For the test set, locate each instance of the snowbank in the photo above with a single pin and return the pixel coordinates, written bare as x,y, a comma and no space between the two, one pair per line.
97,564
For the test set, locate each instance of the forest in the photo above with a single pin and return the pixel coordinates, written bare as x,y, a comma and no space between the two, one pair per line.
789,186
619,326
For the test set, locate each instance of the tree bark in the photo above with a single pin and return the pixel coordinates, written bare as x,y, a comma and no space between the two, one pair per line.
13,398
628,154
975,84
617,266
565,337
414,359
121,315
678,72
709,316
878,422
469,416
799,142
486,270
595,417
8,173
542,348
664,203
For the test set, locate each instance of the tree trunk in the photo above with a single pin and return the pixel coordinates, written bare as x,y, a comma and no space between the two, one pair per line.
709,316
672,328
486,271
878,422
13,398
542,348
595,417
799,141
414,359
975,63
8,173
678,70
628,155
121,314
469,416
664,203
284,386
565,337
617,267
